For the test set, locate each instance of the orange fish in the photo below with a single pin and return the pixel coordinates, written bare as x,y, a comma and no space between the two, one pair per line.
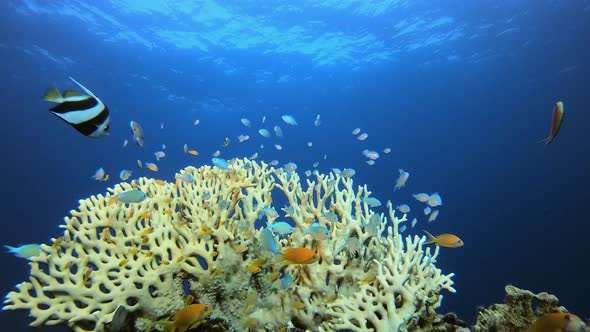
556,121
152,167
444,240
559,321
193,152
299,256
187,318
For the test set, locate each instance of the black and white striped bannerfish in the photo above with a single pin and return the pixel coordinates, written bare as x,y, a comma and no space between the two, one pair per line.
85,112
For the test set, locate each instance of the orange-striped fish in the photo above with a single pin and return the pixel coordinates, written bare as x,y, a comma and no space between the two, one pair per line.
444,240
556,121
299,256
187,318
558,322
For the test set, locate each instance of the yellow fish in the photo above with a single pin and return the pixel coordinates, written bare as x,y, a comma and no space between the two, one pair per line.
215,272
187,318
444,240
556,121
559,321
193,152
206,229
298,305
274,276
254,267
152,167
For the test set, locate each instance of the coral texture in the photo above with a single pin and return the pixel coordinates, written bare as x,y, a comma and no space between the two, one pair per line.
198,239
522,308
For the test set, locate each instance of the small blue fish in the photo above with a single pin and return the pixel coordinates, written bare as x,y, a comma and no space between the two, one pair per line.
280,227
220,163
267,241
270,213
318,232
348,172
371,228
289,211
27,251
129,196
372,202
289,119
290,167
353,245
264,133
278,131
125,174
224,204
330,216
185,178
404,208
246,122
286,281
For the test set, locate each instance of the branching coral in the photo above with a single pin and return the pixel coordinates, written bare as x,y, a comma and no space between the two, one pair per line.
200,237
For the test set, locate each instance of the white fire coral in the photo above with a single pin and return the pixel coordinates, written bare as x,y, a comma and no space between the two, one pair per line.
200,237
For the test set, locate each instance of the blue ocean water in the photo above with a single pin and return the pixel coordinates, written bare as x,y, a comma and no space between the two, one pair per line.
460,92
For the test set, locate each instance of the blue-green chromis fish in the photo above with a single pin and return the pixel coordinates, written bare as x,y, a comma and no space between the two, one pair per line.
27,251
220,163
129,196
267,241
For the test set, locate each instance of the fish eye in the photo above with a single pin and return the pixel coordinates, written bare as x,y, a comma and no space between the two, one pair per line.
206,308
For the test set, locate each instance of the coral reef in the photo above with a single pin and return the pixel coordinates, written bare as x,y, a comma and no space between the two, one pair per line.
520,310
198,239
441,323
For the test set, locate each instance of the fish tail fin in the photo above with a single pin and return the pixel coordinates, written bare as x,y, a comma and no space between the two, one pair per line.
53,95
167,326
546,140
282,258
113,199
431,238
10,248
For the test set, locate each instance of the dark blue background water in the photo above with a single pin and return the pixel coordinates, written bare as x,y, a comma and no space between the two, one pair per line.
462,111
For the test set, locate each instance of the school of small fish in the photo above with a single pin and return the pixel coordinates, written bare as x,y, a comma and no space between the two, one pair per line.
275,230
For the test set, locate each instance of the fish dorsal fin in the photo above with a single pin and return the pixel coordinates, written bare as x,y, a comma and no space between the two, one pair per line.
84,88
53,95
70,93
